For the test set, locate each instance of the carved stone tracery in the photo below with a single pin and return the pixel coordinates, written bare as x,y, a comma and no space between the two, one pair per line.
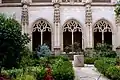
72,25
41,26
102,26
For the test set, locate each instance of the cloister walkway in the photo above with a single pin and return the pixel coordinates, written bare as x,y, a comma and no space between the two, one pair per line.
88,72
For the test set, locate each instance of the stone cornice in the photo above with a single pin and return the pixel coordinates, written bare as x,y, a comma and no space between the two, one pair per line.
52,4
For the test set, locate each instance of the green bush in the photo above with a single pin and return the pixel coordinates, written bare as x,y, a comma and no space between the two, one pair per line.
25,77
63,70
107,67
113,72
43,51
12,42
105,50
90,60
26,58
38,72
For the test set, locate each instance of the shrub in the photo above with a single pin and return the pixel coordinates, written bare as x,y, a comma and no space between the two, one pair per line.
43,51
38,72
105,50
26,58
113,72
90,60
25,77
12,42
62,70
105,65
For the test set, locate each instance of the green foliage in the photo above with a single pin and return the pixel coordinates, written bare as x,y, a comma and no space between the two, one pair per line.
103,64
113,72
75,47
25,77
105,50
108,68
43,51
90,60
12,42
27,58
37,72
62,70
117,9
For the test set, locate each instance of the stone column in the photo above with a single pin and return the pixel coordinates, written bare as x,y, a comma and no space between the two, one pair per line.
88,23
56,27
117,18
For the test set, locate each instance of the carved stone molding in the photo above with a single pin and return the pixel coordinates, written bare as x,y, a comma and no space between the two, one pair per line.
88,15
24,17
57,13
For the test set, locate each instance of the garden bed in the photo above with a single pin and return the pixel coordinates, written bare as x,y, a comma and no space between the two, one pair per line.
108,67
61,69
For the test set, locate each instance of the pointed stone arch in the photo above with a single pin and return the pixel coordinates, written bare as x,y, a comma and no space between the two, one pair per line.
102,30
41,33
72,32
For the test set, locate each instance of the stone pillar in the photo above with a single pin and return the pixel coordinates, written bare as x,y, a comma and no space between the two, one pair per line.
88,23
25,18
117,18
56,27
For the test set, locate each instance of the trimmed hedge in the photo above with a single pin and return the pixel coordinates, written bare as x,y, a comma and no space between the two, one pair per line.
90,60
107,66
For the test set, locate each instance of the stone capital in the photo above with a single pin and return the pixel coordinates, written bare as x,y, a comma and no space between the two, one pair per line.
25,2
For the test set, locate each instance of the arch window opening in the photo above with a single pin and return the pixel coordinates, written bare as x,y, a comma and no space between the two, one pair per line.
102,32
41,34
72,33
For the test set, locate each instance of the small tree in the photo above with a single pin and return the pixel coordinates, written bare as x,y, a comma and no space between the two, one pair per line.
12,42
43,51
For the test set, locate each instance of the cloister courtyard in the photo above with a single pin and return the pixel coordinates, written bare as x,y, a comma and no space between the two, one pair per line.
59,40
